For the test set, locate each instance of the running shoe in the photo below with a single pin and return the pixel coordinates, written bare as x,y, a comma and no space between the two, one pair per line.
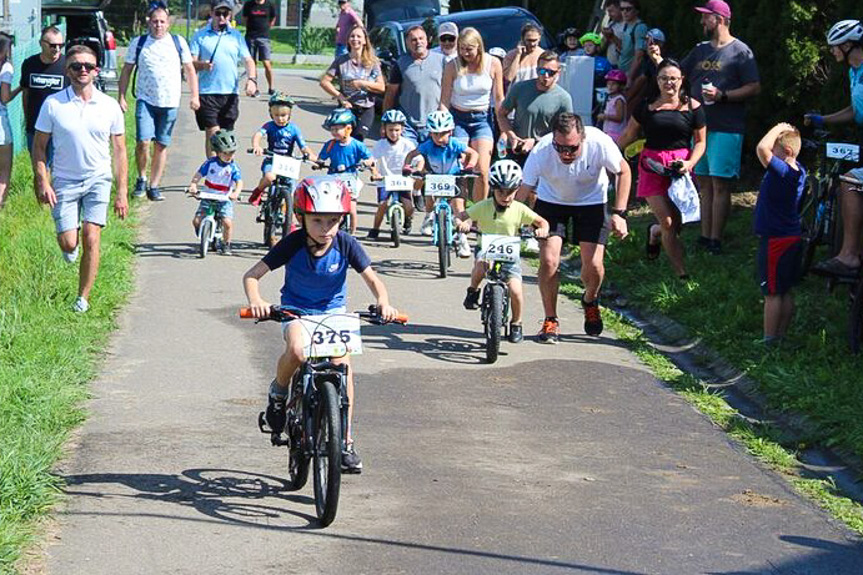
550,332
471,300
373,234
154,194
409,224
592,317
351,462
516,333
427,226
71,257
81,305
140,188
275,416
463,247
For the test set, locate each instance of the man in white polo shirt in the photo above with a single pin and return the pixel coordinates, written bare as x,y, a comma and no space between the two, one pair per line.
566,174
85,126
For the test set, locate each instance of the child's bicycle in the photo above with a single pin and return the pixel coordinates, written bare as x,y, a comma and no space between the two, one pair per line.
277,209
351,180
497,250
395,214
317,408
443,188
210,231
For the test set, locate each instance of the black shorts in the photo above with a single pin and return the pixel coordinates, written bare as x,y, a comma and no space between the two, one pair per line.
218,110
779,261
589,223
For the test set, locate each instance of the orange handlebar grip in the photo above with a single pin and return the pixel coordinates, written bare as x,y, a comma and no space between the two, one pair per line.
246,313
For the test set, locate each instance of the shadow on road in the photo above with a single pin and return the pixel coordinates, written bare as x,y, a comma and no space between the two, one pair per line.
189,250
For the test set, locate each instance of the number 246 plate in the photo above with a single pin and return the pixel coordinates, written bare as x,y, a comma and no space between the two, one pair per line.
498,248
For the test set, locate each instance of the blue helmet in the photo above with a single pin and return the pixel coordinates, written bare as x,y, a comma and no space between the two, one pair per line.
393,117
340,117
440,121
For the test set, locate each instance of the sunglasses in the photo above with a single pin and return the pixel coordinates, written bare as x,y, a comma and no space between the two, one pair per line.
627,8
447,38
669,79
78,66
223,13
53,45
564,149
546,72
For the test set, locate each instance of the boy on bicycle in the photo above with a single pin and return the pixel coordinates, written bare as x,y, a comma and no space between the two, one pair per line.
221,175
389,154
442,154
281,137
316,259
777,222
500,214
344,152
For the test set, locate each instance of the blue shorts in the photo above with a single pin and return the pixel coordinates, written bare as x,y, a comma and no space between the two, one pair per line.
223,209
307,311
384,195
154,123
779,261
81,201
722,157
472,125
415,135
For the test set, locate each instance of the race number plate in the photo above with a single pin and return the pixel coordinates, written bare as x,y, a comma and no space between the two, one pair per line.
441,186
848,152
497,248
286,166
354,185
213,197
331,335
398,184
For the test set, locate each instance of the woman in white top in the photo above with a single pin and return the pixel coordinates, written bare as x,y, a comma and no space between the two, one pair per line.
7,94
469,83
520,62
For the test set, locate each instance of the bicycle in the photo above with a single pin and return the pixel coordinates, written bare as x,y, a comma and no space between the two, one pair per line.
354,184
317,407
395,214
276,212
210,232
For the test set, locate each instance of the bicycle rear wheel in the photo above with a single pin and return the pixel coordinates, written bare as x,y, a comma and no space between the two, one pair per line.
327,453
494,320
206,232
855,325
812,222
442,244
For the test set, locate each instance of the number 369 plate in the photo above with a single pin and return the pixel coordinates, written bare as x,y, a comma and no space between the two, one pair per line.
441,186
500,248
331,335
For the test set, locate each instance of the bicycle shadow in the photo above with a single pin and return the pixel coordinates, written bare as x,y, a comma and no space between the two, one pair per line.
442,343
190,251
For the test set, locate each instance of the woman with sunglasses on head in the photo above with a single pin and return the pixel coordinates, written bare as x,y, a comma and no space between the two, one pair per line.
7,94
359,75
675,129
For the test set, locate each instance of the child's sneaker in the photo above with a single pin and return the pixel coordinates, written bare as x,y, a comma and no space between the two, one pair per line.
351,462
255,198
427,226
373,234
471,300
592,317
81,305
463,249
409,224
225,249
516,333
275,416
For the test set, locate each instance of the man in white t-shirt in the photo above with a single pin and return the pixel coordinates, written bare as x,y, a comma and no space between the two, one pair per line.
85,126
566,174
159,85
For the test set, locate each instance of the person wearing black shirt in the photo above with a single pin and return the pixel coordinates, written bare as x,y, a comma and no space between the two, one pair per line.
42,74
260,16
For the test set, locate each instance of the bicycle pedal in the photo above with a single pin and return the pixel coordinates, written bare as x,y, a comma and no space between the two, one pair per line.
262,423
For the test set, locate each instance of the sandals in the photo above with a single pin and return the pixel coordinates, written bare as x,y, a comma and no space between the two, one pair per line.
652,250
835,267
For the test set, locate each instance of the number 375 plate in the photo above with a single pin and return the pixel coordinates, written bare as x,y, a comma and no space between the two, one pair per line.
331,335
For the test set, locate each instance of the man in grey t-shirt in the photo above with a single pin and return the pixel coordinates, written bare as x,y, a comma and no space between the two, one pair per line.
414,85
535,103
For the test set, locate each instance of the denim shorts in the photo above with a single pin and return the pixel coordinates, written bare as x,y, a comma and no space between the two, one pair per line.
223,209
308,311
5,130
384,195
508,270
722,158
79,201
472,125
154,123
414,134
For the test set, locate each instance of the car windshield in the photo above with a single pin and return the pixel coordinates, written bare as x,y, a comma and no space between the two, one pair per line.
398,10
501,32
76,4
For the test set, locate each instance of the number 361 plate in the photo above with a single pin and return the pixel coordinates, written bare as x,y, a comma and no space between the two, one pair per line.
331,335
497,248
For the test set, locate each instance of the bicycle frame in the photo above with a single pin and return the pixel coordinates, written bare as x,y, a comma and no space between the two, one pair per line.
442,205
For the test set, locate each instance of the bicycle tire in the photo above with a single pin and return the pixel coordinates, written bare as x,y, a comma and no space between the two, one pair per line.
298,460
288,216
494,321
813,225
855,327
327,453
206,232
396,227
269,233
442,246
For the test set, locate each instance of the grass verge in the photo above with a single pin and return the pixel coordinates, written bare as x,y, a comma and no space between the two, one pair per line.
48,354
316,40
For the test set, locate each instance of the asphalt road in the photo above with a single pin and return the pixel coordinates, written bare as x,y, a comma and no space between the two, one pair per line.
568,458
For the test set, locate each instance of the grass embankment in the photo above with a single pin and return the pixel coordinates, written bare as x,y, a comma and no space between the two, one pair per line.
812,374
48,354
316,40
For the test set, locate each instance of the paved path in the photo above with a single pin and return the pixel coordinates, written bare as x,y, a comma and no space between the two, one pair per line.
568,458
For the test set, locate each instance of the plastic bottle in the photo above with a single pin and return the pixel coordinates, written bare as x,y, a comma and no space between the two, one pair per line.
706,83
501,147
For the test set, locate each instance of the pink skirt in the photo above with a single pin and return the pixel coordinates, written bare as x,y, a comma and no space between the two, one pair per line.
649,182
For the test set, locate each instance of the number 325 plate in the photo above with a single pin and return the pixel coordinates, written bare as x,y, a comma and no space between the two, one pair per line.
331,335
497,248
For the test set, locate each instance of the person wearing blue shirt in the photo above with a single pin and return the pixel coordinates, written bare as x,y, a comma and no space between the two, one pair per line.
777,223
217,49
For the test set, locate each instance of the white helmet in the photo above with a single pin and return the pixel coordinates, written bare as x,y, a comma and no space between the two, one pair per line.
440,121
845,31
504,174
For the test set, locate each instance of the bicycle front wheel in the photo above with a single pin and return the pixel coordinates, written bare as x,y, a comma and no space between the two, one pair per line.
206,232
396,227
327,453
494,321
855,327
442,243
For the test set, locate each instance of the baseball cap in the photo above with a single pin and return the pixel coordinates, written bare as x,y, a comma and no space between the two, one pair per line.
223,4
717,7
447,28
343,1
656,35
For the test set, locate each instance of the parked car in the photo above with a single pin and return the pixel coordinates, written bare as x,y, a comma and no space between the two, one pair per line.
376,11
499,27
86,24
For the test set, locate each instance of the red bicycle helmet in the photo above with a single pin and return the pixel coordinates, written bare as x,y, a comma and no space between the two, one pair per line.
322,195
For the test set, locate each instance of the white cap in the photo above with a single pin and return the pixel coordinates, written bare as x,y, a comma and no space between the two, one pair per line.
447,28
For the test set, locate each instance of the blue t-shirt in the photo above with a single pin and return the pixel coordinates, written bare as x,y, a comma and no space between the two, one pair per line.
855,76
281,140
442,160
344,158
316,283
219,176
229,48
777,211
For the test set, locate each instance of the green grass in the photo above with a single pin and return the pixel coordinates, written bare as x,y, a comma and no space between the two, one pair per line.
48,354
284,40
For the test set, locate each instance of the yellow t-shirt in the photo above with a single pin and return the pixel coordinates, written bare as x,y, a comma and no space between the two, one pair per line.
506,223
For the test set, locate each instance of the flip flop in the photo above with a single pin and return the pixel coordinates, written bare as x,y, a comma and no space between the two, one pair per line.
835,267
652,250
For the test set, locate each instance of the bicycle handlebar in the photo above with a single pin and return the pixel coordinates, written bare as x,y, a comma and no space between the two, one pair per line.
320,165
279,313
270,154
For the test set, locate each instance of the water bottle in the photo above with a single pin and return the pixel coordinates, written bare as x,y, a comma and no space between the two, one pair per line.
501,147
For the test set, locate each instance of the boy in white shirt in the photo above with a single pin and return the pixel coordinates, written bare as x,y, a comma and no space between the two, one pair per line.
389,154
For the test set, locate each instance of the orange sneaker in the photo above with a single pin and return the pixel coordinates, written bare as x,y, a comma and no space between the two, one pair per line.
550,332
592,317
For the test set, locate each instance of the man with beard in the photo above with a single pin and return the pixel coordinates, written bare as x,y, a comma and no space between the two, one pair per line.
566,173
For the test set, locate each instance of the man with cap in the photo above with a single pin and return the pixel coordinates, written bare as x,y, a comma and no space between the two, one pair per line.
217,49
655,39
722,74
346,22
447,34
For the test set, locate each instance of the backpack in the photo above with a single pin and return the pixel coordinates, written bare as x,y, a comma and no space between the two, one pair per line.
140,47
